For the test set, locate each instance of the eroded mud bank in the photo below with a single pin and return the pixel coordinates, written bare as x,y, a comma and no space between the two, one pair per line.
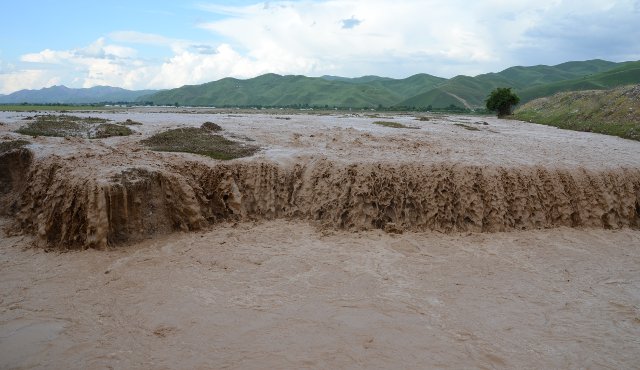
69,208
15,166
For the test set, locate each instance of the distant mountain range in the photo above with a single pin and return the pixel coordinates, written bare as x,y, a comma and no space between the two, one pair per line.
276,90
418,91
66,95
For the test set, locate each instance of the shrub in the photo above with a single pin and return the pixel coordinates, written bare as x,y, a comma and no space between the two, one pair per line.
502,100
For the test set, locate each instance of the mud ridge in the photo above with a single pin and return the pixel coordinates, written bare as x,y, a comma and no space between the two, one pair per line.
75,209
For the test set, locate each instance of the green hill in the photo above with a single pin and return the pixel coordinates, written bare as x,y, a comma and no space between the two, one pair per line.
474,90
419,91
276,90
613,112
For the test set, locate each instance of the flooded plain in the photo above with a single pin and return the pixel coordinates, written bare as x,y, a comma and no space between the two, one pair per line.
462,242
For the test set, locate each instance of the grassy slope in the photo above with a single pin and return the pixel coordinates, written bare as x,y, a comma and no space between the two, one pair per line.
613,112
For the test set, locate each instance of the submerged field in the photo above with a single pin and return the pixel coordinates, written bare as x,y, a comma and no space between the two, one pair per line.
335,241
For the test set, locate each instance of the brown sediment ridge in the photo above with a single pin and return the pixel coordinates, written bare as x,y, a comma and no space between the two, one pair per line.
68,208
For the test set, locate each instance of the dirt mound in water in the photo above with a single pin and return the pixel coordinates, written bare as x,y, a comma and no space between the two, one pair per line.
68,208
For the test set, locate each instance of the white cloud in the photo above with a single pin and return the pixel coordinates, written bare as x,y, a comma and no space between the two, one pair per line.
26,79
99,63
192,68
133,37
385,31
46,56
353,37
349,38
97,50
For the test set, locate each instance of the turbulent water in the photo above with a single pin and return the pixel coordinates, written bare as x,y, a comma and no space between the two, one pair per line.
70,208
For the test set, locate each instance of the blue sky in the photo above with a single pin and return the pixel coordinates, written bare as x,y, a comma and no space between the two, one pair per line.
165,44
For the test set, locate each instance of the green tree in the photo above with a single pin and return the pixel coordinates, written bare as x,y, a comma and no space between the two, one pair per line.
501,100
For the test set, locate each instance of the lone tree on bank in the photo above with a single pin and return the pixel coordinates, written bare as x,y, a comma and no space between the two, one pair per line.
501,100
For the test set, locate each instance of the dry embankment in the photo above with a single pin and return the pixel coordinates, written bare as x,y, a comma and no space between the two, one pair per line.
69,207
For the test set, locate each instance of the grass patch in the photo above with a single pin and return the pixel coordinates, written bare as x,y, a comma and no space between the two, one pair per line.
198,141
392,124
54,125
7,146
627,130
65,125
104,130
467,127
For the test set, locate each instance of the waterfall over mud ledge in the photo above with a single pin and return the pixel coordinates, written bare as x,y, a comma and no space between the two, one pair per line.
72,208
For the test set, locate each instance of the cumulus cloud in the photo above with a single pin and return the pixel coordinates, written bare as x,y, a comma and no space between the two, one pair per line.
398,33
97,50
99,63
354,37
11,81
351,38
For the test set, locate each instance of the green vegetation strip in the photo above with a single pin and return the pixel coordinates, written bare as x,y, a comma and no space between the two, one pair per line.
392,124
627,130
198,141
